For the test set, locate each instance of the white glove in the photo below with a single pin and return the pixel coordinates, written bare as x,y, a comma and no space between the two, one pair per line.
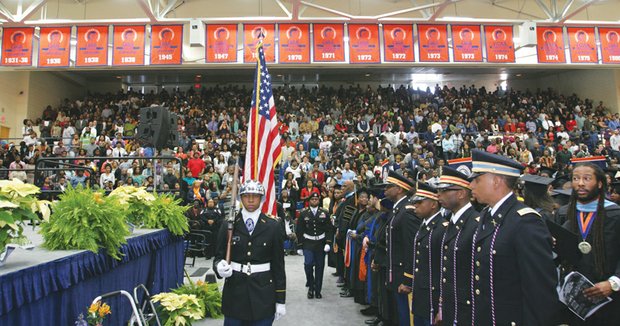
224,269
300,252
327,247
280,310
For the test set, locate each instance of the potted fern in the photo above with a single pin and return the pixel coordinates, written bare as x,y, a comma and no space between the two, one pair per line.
88,220
18,204
137,202
167,212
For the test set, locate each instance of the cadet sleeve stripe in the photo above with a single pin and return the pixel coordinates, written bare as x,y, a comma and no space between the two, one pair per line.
408,275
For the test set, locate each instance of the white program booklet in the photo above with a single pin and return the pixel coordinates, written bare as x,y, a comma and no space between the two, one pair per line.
571,294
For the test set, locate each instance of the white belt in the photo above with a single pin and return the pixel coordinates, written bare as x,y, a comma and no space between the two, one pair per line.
249,268
314,237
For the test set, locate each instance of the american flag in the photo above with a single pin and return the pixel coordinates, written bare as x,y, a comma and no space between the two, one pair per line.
263,147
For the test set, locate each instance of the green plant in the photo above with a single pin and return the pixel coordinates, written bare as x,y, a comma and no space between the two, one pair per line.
167,212
18,204
137,202
208,295
178,309
84,219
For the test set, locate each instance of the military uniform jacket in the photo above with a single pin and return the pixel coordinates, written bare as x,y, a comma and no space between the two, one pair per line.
314,225
457,262
513,267
425,277
400,231
253,297
611,233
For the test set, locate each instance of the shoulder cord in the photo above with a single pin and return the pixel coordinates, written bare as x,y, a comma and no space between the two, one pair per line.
456,243
430,273
473,267
441,276
491,256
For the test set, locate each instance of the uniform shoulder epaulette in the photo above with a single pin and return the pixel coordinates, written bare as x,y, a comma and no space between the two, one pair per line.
273,217
410,207
527,210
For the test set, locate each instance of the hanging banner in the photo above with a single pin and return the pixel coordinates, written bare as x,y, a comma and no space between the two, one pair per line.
398,43
610,44
294,45
251,35
17,46
328,42
582,45
54,46
433,43
500,46
221,43
550,44
166,44
128,45
467,43
364,43
92,46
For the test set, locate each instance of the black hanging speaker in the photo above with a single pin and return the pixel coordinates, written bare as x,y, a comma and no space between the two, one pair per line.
154,127
173,134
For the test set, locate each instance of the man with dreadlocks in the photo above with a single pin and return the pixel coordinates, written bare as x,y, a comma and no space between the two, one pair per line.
597,222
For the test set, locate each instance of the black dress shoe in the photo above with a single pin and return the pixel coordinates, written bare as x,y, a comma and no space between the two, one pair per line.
310,295
373,322
318,296
370,311
346,295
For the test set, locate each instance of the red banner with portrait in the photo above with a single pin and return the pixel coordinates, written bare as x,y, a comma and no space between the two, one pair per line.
54,46
582,45
17,46
364,43
221,43
433,43
92,46
166,44
467,43
550,44
610,44
251,35
128,45
398,43
294,46
500,46
328,42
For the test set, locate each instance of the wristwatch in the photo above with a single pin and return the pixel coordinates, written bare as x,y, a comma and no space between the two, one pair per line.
615,286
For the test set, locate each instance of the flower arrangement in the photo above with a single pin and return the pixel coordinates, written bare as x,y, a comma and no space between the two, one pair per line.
166,211
96,314
136,200
178,309
208,295
18,204
86,219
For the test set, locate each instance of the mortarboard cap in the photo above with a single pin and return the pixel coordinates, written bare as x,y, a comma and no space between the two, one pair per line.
560,180
549,172
535,183
377,190
387,204
615,187
483,162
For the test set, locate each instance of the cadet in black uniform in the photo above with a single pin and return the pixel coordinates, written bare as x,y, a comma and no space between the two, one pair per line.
423,268
314,230
455,289
254,290
514,276
597,222
401,227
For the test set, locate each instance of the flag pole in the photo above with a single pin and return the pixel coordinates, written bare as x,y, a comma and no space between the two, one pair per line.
257,109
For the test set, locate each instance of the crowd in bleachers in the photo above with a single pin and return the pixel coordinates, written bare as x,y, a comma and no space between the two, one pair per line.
329,135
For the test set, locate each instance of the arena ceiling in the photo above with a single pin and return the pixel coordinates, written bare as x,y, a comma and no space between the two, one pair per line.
77,12
45,12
